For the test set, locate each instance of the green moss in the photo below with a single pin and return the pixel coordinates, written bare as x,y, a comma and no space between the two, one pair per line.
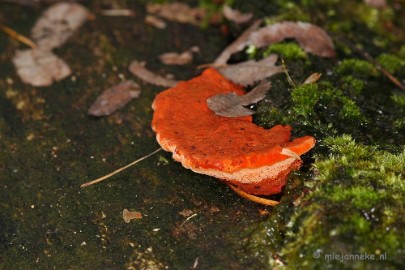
358,196
352,86
306,97
357,206
289,51
357,67
291,11
368,15
391,62
399,99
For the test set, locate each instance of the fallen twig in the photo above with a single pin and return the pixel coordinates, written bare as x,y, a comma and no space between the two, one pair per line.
13,34
368,57
118,170
253,198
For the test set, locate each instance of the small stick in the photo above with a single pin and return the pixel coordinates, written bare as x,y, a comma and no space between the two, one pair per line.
290,81
368,57
118,170
12,33
253,198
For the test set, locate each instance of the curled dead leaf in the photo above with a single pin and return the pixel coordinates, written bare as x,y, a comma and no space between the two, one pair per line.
57,24
118,12
241,42
155,22
173,58
231,105
376,3
313,78
40,67
311,38
249,72
138,69
114,98
235,15
178,12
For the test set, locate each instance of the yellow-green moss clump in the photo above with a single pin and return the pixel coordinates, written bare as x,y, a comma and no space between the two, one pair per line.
289,51
355,207
357,67
391,62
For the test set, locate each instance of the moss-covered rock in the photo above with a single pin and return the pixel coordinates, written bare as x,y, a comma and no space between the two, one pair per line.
348,211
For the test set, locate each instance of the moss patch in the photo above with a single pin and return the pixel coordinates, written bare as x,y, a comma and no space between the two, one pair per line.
288,51
350,209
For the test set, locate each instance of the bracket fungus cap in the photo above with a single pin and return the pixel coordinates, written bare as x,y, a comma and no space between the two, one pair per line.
233,149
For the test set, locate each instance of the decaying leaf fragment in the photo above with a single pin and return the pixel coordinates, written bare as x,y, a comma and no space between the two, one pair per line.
40,67
57,24
155,21
241,42
313,78
231,105
235,15
311,38
130,215
139,70
376,3
173,58
249,72
114,98
178,12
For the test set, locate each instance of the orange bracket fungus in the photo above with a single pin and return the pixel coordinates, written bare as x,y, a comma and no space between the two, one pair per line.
255,160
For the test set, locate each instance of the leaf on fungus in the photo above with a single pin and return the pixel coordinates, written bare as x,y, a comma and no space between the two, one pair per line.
178,12
231,105
114,98
40,67
311,38
241,42
235,15
173,58
57,24
139,70
249,72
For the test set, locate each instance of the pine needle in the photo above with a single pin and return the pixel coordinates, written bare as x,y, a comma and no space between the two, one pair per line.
118,170
290,81
253,198
12,33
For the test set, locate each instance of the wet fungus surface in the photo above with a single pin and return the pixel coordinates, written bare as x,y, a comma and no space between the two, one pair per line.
232,149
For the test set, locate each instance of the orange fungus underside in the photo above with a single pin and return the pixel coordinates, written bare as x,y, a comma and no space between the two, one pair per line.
233,149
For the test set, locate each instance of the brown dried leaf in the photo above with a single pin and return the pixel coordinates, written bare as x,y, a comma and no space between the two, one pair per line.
231,105
186,212
235,15
155,22
311,38
118,12
139,70
173,58
249,72
376,3
57,24
241,42
178,12
313,78
40,67
129,215
114,98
